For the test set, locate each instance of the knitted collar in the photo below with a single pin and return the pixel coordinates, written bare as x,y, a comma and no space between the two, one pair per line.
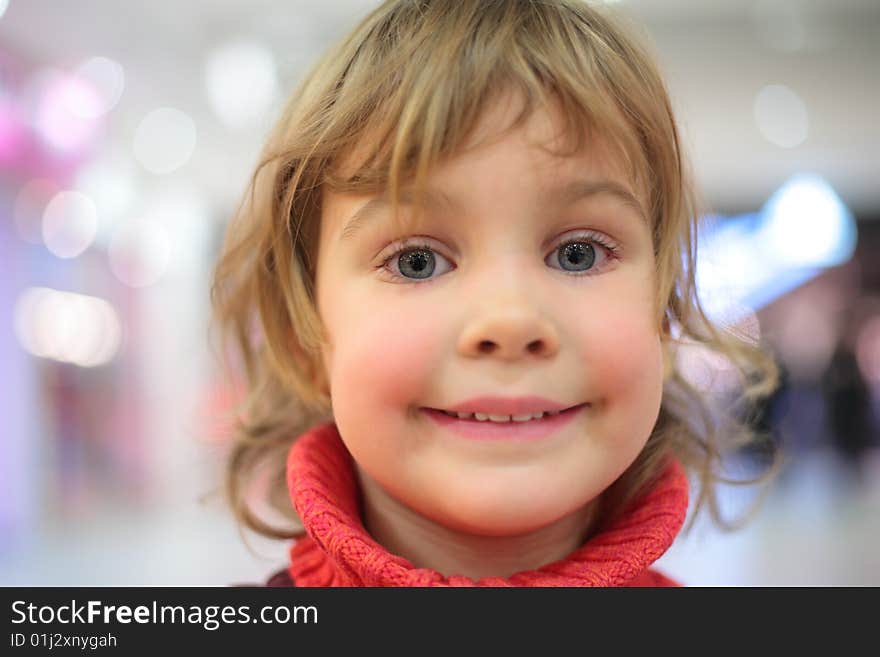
338,551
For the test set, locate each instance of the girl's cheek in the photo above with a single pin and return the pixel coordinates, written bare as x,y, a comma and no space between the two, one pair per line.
626,356
387,356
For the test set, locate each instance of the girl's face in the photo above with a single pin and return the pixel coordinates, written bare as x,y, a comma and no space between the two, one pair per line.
489,301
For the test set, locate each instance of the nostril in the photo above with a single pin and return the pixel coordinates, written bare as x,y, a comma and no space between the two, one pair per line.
487,346
535,346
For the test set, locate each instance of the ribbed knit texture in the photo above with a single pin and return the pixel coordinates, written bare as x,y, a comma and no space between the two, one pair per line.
338,551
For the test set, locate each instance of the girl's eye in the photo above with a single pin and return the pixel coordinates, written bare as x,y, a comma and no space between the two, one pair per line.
413,262
584,255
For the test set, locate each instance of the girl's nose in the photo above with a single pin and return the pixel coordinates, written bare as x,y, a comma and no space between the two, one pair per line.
509,335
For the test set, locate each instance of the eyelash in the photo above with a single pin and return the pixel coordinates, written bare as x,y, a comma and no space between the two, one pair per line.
613,253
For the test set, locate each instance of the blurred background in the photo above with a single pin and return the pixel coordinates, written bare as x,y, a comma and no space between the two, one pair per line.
127,134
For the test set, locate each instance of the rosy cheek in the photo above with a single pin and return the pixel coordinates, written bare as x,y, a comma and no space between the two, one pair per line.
623,357
386,357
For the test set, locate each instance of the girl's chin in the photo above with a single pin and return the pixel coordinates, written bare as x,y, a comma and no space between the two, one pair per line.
509,522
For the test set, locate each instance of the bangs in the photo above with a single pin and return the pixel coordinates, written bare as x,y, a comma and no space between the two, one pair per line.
413,97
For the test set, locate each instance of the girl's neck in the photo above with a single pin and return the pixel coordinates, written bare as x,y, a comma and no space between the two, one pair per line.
427,544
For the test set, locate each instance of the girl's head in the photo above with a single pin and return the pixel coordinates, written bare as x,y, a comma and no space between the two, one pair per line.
464,199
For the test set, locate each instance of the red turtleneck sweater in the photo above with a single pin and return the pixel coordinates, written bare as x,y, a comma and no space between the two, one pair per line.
338,551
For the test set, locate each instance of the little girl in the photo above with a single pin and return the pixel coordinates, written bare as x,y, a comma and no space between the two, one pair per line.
459,284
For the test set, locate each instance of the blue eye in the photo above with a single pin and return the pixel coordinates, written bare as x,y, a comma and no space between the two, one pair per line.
580,256
415,262
587,255
418,261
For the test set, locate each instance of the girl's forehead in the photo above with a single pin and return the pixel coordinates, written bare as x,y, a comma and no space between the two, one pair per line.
544,131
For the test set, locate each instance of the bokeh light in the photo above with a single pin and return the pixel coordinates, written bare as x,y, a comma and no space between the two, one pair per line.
107,78
781,116
65,112
164,140
807,224
67,327
70,223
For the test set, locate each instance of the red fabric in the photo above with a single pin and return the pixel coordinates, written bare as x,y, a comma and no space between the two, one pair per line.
338,551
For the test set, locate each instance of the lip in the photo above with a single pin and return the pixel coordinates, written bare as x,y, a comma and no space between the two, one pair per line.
507,405
522,431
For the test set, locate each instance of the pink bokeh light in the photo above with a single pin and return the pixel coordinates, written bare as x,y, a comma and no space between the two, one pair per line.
64,112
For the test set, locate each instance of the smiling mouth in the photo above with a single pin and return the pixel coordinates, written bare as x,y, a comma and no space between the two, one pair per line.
504,419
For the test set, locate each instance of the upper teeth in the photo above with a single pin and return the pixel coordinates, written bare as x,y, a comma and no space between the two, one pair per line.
501,418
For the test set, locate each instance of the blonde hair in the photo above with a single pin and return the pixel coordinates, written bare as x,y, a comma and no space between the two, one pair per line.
402,92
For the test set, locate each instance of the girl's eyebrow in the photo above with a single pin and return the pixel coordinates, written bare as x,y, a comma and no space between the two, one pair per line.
432,199
559,195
